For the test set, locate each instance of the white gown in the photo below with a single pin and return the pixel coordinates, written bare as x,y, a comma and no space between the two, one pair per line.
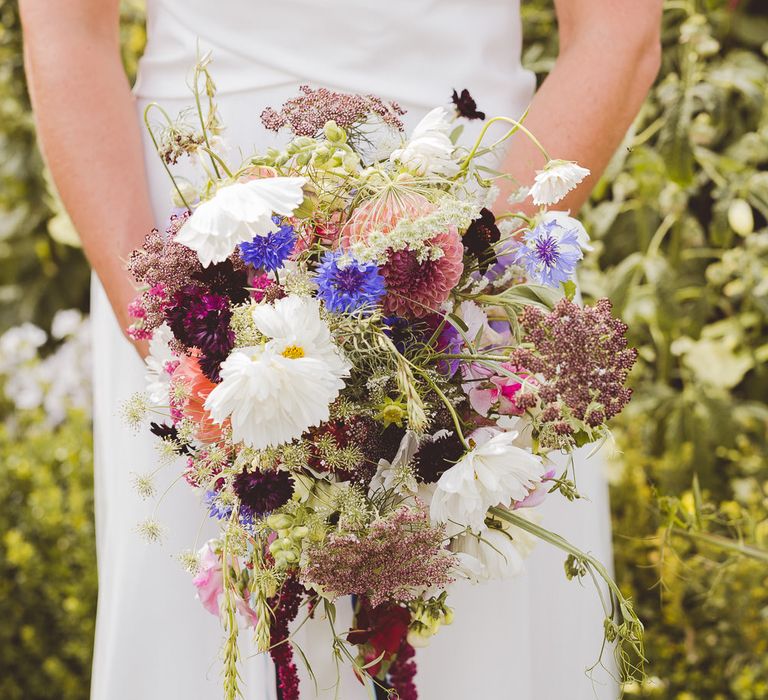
530,638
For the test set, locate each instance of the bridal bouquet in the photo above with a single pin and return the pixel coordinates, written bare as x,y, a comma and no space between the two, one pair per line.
364,369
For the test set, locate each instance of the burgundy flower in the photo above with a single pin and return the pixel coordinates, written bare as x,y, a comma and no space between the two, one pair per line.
225,278
480,237
201,320
285,607
466,105
415,288
403,671
379,630
263,491
436,456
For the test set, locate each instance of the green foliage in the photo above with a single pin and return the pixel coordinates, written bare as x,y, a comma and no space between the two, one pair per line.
47,558
680,221
38,273
42,268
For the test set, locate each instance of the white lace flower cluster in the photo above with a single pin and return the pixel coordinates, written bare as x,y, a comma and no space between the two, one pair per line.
415,234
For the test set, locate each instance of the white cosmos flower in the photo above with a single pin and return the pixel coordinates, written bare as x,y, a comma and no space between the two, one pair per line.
237,213
274,392
496,472
557,179
156,376
429,150
493,555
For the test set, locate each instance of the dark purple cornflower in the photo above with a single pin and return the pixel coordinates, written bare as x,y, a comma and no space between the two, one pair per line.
346,285
480,238
398,329
466,105
201,320
169,433
549,253
263,491
581,360
271,251
436,455
226,278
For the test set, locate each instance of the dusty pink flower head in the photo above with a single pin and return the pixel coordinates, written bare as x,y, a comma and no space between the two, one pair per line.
382,214
307,114
397,555
416,289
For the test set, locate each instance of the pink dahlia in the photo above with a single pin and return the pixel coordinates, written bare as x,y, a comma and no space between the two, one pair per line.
383,214
416,289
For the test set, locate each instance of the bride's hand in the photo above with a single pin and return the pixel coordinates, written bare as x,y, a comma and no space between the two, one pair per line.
89,132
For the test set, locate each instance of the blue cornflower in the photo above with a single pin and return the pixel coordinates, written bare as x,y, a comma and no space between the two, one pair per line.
270,252
550,253
223,511
216,509
346,285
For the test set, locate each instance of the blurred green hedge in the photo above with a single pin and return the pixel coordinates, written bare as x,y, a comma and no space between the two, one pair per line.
47,558
681,247
682,250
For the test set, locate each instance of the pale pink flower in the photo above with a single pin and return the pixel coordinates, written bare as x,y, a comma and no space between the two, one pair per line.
209,582
382,214
209,579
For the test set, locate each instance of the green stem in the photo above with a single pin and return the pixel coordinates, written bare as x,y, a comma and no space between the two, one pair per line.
455,416
157,147
629,629
723,543
199,106
518,126
216,157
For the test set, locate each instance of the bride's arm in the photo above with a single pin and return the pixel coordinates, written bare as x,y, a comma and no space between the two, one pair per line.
88,130
609,56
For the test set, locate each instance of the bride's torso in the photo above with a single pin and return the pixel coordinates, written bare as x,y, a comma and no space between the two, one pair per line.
414,51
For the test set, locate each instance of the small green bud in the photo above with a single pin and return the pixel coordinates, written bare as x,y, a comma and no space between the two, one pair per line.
333,132
279,521
740,217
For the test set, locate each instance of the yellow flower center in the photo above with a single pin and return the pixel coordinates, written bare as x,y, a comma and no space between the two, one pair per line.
293,352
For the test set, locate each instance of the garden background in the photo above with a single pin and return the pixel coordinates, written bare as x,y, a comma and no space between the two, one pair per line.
681,227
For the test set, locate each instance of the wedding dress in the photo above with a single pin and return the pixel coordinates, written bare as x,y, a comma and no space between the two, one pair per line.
530,638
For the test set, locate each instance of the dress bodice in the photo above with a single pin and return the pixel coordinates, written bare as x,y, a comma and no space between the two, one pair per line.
414,51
